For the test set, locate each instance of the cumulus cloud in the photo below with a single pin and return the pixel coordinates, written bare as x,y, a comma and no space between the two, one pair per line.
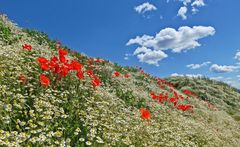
183,39
223,68
198,3
197,66
237,56
182,12
145,7
185,2
149,56
194,4
186,75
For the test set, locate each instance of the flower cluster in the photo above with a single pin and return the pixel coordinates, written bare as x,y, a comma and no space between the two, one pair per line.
164,97
60,67
118,74
176,97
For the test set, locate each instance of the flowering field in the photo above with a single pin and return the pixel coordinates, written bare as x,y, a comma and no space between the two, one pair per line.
52,96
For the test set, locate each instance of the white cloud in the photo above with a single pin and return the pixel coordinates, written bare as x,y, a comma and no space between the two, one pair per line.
223,68
198,3
185,2
182,12
176,75
183,39
195,4
141,50
149,56
237,56
141,40
186,75
197,66
145,7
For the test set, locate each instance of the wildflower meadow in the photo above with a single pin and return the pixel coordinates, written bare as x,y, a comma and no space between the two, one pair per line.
51,95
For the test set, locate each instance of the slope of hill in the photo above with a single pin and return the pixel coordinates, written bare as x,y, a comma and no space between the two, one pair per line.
218,93
52,96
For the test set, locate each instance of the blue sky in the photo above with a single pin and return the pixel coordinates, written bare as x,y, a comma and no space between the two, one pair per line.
102,28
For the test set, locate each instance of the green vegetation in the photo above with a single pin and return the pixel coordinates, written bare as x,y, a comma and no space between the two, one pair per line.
220,94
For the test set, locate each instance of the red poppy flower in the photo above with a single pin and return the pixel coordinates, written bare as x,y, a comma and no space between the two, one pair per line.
184,107
80,74
145,113
175,94
56,69
153,95
116,73
27,47
62,52
188,92
126,75
62,59
89,72
76,65
42,60
54,59
45,66
98,60
52,65
162,97
64,71
174,100
96,82
45,82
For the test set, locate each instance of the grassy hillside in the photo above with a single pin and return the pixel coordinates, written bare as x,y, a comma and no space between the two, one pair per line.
52,96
